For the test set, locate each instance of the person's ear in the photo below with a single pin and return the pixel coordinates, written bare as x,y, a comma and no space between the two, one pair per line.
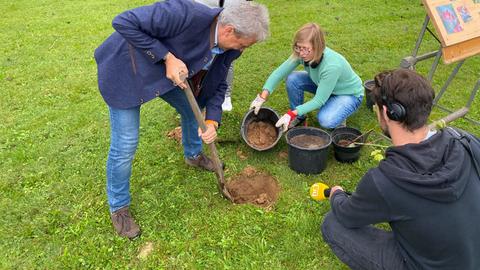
223,30
229,29
384,113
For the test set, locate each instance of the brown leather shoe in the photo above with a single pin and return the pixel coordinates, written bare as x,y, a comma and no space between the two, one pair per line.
124,223
202,161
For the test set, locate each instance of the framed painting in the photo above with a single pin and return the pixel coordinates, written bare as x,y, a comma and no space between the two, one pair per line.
456,21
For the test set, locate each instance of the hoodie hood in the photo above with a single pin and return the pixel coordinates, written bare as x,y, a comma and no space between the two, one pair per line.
437,169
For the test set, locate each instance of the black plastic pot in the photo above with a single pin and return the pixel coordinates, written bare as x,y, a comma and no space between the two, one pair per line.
368,85
265,114
311,160
346,153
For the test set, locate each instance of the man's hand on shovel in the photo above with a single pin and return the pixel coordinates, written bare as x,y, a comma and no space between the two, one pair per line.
176,71
208,133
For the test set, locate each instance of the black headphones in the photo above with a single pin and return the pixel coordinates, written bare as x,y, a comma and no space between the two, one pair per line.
395,110
313,64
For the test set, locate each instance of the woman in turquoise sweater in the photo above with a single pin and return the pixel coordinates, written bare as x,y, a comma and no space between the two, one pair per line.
337,88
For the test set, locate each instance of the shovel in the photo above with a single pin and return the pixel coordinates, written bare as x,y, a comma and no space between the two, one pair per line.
213,149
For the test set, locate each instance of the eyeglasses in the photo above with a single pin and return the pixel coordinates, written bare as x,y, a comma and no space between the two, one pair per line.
304,50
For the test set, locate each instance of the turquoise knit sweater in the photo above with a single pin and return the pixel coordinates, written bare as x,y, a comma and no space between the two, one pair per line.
334,76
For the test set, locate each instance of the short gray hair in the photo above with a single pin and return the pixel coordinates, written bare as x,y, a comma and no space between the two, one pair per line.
249,19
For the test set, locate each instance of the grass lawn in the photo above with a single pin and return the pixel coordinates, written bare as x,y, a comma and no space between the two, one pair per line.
55,136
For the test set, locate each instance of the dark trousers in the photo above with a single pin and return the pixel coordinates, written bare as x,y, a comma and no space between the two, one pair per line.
366,248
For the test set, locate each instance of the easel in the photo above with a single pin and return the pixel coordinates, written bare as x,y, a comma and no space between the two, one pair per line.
458,52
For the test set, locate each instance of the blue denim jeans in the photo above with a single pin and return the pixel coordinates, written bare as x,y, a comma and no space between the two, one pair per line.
124,126
366,248
333,112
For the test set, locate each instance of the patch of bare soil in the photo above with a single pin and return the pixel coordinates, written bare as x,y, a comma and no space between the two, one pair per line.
241,155
308,141
261,134
145,250
283,155
253,187
175,134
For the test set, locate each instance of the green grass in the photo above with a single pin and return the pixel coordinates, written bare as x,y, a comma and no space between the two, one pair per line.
55,135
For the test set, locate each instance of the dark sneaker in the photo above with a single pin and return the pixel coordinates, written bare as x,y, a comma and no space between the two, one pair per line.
297,122
202,161
124,224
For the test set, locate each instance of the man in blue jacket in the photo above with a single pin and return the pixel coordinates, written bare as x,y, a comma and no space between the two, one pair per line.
152,49
427,188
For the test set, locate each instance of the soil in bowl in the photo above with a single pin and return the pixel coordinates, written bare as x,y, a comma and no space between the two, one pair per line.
261,134
308,141
254,187
345,143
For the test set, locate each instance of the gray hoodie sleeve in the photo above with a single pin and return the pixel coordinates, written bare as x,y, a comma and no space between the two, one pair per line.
365,206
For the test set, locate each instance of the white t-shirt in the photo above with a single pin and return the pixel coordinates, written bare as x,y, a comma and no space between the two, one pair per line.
210,3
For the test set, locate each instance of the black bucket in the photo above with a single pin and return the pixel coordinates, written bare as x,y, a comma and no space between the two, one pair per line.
308,159
265,114
369,85
351,152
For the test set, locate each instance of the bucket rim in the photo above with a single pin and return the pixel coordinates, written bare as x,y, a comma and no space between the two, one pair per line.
243,128
305,148
335,142
345,133
251,110
342,130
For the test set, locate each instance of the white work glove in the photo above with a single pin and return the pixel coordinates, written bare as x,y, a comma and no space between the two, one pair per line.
257,104
285,120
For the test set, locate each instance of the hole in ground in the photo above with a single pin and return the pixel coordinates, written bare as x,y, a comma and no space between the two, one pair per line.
254,187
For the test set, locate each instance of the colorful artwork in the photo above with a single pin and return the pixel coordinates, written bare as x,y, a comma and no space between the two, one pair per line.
464,14
449,19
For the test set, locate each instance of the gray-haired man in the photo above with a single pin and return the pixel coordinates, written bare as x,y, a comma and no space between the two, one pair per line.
227,103
152,48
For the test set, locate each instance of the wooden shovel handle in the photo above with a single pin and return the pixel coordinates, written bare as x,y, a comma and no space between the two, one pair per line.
213,149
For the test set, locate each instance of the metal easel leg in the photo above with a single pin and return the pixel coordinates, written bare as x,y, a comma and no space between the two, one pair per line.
447,83
409,62
459,113
434,65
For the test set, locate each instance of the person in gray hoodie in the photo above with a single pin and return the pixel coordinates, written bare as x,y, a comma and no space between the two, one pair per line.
427,189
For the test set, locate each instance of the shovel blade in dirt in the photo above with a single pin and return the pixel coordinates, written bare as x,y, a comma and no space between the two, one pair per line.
213,149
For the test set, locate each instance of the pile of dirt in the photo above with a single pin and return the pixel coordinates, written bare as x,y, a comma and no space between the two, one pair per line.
253,187
308,141
175,134
261,134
